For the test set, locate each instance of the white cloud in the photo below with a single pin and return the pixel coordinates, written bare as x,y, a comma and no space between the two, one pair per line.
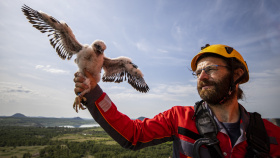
271,73
262,93
257,38
162,50
177,32
31,76
39,66
11,92
118,46
167,92
48,68
7,87
143,45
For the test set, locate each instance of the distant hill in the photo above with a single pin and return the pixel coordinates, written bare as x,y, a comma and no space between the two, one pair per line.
77,118
21,120
275,121
18,115
141,118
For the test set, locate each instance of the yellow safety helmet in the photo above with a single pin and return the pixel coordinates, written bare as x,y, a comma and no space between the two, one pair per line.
222,50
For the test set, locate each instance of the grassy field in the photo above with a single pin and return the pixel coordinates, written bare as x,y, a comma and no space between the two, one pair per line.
18,152
84,137
8,152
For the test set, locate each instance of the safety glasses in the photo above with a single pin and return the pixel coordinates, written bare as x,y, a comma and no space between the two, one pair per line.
208,70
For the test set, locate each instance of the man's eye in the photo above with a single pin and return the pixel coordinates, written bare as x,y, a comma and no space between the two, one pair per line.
211,68
207,69
197,73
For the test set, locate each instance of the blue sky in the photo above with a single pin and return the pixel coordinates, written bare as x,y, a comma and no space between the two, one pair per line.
160,36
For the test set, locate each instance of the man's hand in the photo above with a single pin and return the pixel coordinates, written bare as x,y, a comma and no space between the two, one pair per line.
79,80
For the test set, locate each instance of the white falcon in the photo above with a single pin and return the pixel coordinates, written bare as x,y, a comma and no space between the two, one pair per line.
89,57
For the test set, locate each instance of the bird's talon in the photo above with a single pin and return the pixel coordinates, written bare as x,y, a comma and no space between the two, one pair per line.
77,103
84,99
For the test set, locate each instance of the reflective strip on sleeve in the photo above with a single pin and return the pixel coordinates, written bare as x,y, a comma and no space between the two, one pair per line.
105,104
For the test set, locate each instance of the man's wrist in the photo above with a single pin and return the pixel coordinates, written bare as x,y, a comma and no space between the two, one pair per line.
92,95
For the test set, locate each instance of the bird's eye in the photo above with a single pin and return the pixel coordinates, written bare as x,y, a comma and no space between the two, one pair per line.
97,46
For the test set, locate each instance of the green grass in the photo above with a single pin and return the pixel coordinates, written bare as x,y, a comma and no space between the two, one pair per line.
8,152
81,137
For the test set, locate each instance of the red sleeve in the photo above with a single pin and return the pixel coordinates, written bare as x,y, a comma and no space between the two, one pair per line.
273,132
132,134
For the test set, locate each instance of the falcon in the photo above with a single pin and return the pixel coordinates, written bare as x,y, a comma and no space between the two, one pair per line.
89,57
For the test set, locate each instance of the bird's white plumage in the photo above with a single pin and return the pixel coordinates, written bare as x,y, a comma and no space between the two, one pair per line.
89,57
92,62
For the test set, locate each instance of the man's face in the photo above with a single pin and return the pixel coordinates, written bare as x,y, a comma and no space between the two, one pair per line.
214,85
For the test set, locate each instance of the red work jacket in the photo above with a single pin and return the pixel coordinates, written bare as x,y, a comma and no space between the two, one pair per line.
175,124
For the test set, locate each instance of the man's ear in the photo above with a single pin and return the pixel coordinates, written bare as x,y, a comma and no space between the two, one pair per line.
238,73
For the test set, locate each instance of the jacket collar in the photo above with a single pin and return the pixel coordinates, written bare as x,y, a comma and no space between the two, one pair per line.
244,121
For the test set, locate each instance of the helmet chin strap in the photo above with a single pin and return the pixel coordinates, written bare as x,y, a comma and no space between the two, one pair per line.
232,86
227,96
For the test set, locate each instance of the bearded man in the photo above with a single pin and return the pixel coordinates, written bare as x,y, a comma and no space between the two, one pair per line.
217,126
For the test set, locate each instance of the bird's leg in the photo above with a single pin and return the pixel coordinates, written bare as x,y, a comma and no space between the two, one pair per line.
78,103
80,97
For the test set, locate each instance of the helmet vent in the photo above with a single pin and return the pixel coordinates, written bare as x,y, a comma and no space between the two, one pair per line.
229,49
205,46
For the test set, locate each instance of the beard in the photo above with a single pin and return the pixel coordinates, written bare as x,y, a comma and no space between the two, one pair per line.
217,91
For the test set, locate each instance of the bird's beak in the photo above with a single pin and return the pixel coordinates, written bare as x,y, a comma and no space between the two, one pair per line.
100,50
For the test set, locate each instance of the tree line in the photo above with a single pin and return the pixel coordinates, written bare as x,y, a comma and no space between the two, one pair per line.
101,150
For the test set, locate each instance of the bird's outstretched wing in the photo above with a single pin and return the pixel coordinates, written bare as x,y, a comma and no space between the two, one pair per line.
119,69
61,36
